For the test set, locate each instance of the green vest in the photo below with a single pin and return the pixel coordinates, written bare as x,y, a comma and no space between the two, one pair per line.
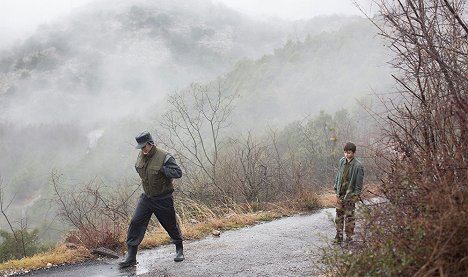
154,181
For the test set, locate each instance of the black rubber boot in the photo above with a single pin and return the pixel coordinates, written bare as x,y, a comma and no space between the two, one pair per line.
338,238
179,253
130,260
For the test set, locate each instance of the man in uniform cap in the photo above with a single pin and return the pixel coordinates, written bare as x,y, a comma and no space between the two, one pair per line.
157,169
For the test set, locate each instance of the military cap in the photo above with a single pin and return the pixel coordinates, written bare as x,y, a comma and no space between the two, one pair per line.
142,139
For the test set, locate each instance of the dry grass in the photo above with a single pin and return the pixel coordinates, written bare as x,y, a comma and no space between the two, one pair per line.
208,220
154,238
371,190
328,200
199,230
57,256
233,221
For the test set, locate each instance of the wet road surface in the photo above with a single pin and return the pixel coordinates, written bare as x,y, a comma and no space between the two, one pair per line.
284,247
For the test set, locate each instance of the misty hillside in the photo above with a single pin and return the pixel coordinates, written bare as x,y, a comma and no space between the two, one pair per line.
115,53
328,71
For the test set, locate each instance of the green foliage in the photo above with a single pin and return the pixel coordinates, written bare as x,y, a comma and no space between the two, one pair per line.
318,142
23,243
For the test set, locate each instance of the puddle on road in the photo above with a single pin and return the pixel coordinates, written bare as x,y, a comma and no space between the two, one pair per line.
133,271
146,263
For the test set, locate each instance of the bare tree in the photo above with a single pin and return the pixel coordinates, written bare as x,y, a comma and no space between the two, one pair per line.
194,123
279,168
428,121
244,170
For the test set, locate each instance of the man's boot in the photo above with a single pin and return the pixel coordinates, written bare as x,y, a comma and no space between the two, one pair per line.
349,237
179,253
349,230
338,238
130,260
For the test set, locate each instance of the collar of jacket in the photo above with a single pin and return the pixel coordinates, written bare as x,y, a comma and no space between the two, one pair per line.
151,152
350,162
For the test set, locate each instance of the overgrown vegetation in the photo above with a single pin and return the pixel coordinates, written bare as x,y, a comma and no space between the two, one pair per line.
420,228
28,244
98,215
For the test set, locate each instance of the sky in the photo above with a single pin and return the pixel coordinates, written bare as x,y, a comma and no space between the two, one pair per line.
293,9
19,18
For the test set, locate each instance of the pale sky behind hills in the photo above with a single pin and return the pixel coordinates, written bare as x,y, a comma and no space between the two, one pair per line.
19,18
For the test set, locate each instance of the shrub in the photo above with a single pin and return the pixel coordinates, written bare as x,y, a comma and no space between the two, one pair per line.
99,217
28,246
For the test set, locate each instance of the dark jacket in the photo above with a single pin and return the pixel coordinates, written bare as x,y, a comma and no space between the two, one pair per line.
356,178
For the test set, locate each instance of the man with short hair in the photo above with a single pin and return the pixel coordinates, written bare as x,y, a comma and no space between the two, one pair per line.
348,187
157,169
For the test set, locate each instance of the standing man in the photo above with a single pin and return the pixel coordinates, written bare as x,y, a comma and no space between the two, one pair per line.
348,186
156,168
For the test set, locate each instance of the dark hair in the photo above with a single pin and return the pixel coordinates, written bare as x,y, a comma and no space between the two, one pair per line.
350,146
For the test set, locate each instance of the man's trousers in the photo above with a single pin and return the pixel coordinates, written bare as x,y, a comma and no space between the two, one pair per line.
163,209
345,217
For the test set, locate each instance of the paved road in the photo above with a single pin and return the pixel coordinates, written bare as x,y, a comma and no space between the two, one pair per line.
284,247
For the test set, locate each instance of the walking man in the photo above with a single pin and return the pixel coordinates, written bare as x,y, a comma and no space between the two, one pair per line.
157,169
348,186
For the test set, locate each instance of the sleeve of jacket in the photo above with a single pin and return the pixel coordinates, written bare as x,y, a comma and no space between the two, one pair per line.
336,179
337,176
359,179
170,168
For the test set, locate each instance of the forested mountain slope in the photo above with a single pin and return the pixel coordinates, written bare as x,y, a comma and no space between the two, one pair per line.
328,71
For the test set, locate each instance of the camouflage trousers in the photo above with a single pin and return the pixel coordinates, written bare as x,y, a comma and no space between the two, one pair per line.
345,217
